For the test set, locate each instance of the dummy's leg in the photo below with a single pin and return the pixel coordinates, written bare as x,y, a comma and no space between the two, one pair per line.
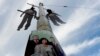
60,21
54,22
28,23
22,23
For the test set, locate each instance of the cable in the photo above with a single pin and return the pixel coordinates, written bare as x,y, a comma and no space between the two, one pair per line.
57,5
64,6
73,7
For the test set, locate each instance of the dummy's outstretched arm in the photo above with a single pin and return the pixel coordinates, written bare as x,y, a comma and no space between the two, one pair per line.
57,14
22,14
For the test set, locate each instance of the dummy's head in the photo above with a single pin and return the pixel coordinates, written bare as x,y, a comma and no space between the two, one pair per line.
41,4
32,8
49,10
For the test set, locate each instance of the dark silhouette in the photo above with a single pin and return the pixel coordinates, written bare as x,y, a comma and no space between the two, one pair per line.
54,17
31,45
29,13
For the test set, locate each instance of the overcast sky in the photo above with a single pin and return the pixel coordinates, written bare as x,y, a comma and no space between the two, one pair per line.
80,36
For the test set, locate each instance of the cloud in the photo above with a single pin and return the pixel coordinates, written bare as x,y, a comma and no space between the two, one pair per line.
3,10
97,53
78,48
88,31
1,3
8,34
77,19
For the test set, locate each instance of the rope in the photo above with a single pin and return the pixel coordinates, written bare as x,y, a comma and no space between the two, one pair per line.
57,5
64,6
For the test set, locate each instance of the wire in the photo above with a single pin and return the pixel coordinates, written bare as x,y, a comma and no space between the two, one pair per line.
57,5
64,6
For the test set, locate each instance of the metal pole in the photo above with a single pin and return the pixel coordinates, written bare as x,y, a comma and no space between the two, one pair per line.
43,23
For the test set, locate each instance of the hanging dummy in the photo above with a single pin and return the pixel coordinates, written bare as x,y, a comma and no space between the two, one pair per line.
54,17
29,13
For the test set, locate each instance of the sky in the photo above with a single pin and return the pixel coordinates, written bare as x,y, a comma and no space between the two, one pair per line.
80,36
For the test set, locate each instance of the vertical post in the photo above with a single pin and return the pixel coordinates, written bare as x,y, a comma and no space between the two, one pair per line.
44,30
43,23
